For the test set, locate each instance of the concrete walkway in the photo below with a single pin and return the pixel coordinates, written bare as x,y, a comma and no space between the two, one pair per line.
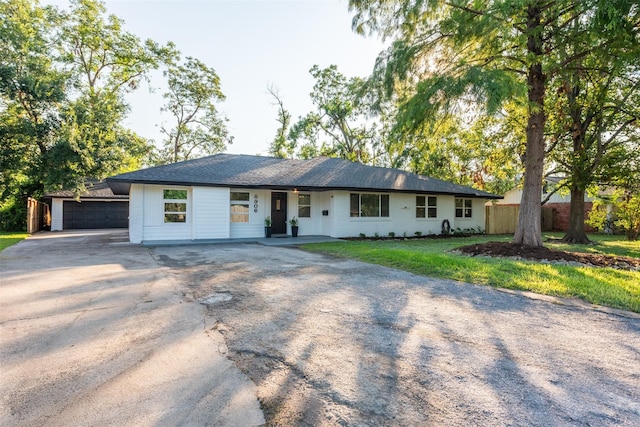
94,332
273,241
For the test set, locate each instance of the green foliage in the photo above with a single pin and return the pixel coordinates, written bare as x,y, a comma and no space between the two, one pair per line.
281,146
63,77
8,239
621,210
471,57
197,128
338,127
593,108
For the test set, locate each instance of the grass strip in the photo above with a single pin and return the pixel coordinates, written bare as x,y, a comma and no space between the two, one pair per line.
8,238
432,258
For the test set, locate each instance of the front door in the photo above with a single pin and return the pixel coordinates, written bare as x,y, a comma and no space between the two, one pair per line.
279,213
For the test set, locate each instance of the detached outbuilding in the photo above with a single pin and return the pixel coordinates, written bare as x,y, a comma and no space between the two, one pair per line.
96,208
229,196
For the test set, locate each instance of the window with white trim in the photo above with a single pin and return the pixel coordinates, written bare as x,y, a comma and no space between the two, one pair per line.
239,206
175,205
304,205
464,208
421,207
369,205
426,207
432,207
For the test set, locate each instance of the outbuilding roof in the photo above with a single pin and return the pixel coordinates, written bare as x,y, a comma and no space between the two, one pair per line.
95,190
318,174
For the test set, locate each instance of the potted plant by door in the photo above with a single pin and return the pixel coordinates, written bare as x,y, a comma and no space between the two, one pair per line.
267,227
294,226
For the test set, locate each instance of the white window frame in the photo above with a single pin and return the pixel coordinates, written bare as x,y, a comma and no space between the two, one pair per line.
380,207
421,207
464,208
177,213
432,208
235,203
303,205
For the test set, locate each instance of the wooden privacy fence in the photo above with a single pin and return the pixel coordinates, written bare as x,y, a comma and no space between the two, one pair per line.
38,215
502,219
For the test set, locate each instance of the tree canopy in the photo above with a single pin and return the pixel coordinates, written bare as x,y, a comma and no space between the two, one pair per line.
447,56
64,77
197,128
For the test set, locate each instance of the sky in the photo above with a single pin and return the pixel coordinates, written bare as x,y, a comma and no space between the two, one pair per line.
252,44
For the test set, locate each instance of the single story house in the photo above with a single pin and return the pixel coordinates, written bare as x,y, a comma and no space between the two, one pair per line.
98,207
229,196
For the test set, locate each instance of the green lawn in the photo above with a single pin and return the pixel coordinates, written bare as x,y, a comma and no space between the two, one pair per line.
8,239
431,257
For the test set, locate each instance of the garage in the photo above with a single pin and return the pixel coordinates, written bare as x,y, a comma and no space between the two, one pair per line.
92,214
97,207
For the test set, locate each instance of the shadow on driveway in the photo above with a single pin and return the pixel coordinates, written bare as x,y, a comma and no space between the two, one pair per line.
336,342
94,332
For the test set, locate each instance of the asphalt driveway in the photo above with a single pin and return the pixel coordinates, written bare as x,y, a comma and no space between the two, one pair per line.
94,331
336,342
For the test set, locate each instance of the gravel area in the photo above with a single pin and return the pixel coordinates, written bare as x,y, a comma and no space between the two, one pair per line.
336,342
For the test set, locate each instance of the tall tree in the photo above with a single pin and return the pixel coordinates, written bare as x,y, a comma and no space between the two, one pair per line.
63,77
105,62
197,129
488,51
32,92
594,112
281,146
338,127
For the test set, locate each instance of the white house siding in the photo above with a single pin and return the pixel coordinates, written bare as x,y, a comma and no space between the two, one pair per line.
255,226
402,216
56,214
514,197
477,216
154,227
136,213
211,213
316,224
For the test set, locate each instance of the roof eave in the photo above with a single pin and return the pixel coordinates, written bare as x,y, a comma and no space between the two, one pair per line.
122,186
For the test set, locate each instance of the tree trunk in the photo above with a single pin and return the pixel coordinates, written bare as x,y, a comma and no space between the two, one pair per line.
529,227
576,233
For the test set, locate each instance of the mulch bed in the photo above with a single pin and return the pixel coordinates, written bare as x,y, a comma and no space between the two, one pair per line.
505,249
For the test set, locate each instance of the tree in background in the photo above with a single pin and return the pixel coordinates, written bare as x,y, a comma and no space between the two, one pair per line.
483,153
197,127
281,146
63,81
33,90
106,62
338,127
595,111
451,53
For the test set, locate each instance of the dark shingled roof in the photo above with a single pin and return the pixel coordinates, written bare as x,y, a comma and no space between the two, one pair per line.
95,190
319,174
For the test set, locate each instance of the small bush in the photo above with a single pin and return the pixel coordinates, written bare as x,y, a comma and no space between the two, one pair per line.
392,234
362,235
418,233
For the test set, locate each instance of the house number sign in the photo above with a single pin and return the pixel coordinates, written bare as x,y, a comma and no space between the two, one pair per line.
255,203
